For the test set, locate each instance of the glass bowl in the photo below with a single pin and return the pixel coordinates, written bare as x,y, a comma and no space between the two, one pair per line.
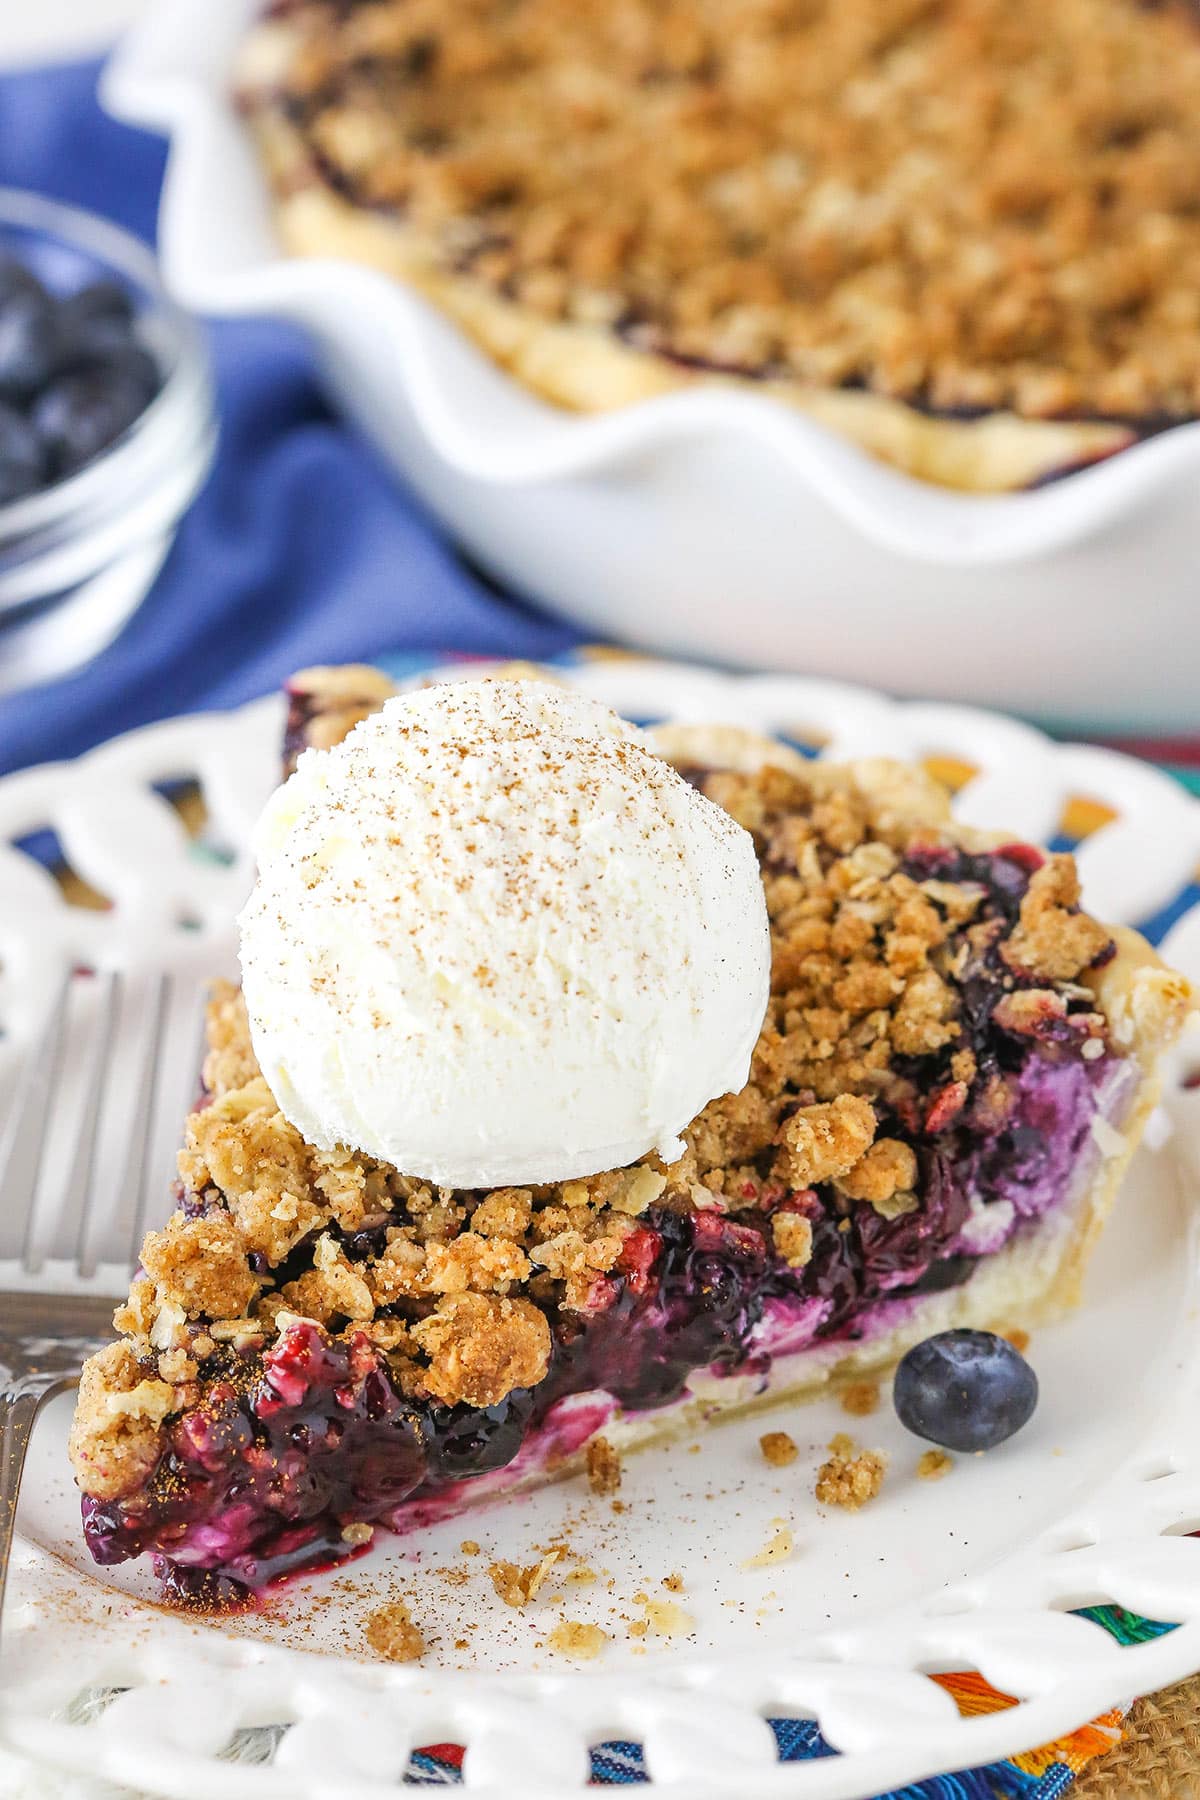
78,557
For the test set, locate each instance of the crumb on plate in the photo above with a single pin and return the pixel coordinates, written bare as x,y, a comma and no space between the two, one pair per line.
851,1476
582,1642
391,1633
776,1549
861,1398
517,1586
603,1466
666,1619
778,1448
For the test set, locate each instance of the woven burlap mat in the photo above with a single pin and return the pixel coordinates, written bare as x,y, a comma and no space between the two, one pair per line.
1160,1756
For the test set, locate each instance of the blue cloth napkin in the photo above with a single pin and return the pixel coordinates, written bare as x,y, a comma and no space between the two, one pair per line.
302,547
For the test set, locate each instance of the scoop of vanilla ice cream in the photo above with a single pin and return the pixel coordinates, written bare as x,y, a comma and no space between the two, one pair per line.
495,939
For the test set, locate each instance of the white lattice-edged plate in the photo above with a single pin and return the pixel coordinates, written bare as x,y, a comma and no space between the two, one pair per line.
981,1571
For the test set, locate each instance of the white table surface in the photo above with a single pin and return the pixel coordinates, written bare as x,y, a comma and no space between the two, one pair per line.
45,30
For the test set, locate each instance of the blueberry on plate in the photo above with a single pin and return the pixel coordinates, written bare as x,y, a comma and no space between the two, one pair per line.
29,342
22,457
965,1390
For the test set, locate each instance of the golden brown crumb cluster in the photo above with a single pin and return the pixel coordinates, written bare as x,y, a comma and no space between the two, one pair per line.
969,203
860,1398
865,962
517,1586
390,1632
115,1435
778,1449
455,1289
603,1467
582,1643
851,1476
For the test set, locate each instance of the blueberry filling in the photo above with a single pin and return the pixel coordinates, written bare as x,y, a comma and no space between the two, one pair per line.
288,1446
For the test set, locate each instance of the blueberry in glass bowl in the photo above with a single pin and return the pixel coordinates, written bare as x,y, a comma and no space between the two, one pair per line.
106,432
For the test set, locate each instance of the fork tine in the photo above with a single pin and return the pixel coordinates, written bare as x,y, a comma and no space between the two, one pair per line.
69,1227
145,1145
24,1140
181,1056
120,1240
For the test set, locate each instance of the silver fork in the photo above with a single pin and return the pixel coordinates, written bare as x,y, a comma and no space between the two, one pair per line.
48,1217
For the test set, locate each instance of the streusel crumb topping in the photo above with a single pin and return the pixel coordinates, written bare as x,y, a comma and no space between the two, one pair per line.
963,203
115,1436
876,917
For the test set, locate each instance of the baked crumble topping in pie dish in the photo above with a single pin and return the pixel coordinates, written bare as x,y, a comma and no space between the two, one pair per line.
955,1067
962,232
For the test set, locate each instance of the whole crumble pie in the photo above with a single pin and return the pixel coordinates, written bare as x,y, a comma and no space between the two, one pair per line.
977,204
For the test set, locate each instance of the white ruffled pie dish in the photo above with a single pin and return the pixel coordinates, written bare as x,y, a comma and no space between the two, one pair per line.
712,521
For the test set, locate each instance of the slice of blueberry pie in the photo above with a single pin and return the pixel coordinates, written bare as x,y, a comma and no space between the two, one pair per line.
963,233
587,1081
